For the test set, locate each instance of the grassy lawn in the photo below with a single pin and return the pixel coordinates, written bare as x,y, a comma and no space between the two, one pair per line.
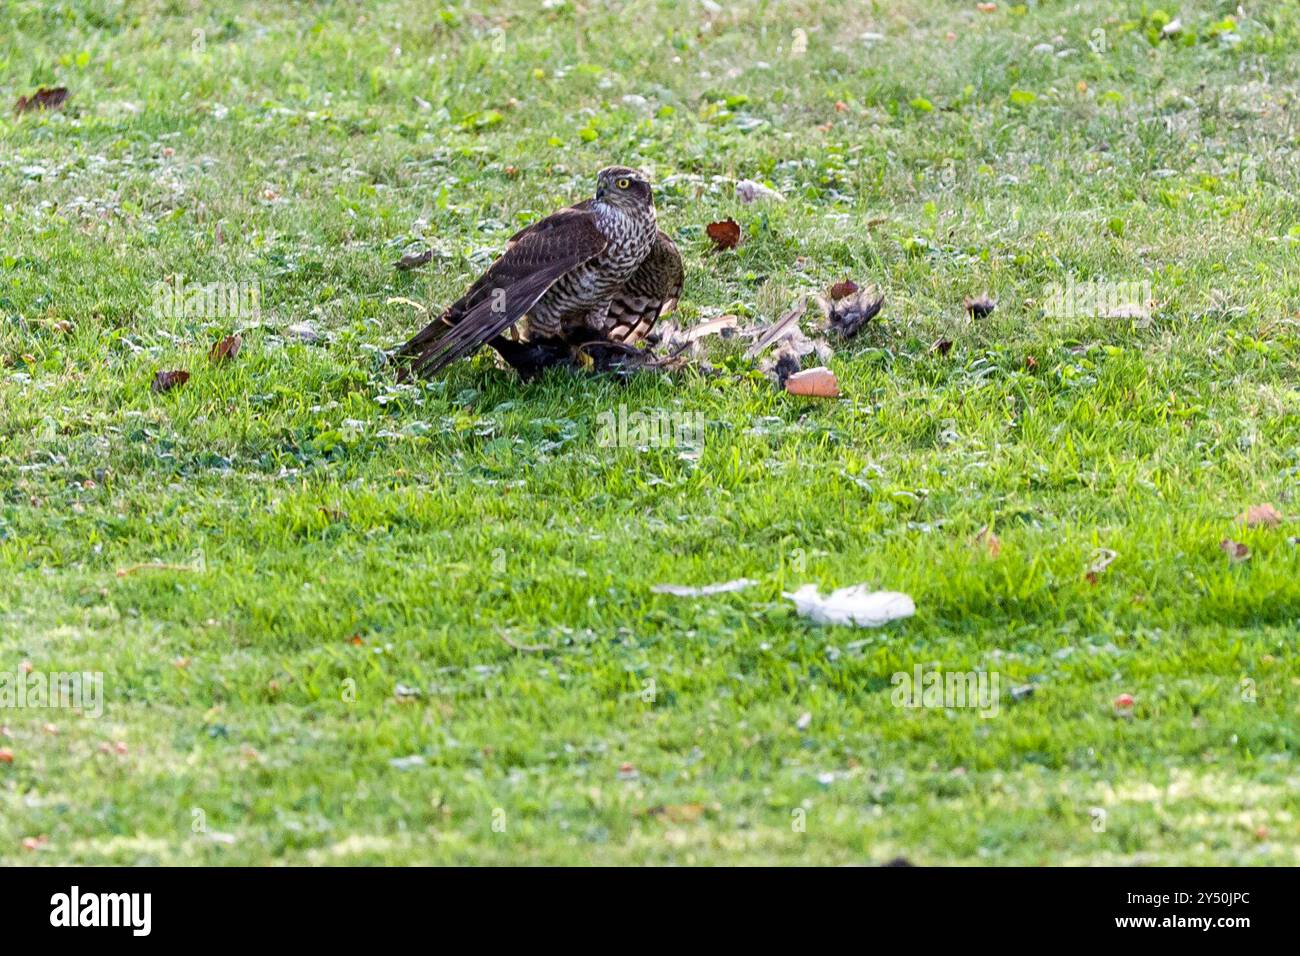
341,620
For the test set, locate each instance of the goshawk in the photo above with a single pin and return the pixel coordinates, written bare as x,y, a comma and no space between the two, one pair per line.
597,272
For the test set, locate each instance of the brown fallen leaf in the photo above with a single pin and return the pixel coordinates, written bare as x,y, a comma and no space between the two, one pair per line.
1261,516
226,349
841,289
819,382
45,98
725,234
1235,550
166,381
1031,363
678,813
986,539
942,347
413,260
979,306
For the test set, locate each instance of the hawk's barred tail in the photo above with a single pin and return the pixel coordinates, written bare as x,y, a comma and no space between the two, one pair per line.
439,344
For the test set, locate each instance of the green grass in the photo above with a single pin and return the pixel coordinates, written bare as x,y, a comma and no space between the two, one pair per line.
316,500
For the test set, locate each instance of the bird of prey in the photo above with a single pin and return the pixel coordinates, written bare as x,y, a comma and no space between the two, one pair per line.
599,273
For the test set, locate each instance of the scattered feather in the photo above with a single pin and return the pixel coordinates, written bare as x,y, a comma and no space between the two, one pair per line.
852,605
782,327
304,332
747,191
979,306
847,316
1102,559
682,590
407,763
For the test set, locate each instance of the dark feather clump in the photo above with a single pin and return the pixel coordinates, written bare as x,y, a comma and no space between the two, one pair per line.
848,315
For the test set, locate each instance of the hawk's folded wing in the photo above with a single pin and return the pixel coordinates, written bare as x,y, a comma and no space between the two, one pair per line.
649,293
534,260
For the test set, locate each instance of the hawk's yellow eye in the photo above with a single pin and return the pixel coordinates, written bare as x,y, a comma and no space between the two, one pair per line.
624,183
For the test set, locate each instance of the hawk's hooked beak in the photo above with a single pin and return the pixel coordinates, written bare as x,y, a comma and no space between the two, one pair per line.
600,190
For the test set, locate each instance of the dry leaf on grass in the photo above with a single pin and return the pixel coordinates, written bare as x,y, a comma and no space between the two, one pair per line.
942,347
1235,550
725,234
45,98
839,290
226,349
986,539
166,381
852,605
1261,516
678,813
819,382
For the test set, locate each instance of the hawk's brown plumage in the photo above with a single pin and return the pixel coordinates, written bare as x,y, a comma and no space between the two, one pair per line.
599,271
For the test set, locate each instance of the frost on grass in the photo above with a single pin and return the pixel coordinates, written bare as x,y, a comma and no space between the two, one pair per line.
852,605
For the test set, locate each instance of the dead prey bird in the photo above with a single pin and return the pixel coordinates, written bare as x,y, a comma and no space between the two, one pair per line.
597,275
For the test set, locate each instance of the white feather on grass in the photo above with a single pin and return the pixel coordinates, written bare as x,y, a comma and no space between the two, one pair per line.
852,605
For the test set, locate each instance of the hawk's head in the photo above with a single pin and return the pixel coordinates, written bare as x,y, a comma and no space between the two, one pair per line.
621,186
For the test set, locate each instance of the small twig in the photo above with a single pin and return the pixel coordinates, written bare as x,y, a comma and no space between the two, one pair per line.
404,301
155,566
523,648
